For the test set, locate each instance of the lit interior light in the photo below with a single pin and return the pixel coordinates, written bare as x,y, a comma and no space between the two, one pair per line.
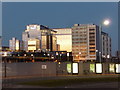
75,67
92,67
117,68
98,68
112,67
69,68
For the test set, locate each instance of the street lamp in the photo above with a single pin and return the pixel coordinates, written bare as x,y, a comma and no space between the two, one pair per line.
60,57
5,54
48,56
44,54
68,56
108,56
33,57
100,56
56,56
76,57
80,55
105,22
24,57
52,57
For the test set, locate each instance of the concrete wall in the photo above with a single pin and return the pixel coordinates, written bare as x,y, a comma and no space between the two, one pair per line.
62,68
105,68
80,68
84,68
36,68
48,68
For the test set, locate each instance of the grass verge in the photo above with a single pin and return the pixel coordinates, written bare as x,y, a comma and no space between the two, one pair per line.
71,81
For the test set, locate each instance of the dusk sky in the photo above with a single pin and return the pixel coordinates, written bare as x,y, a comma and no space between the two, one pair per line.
58,15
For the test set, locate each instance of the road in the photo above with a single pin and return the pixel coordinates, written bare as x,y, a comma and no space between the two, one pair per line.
11,82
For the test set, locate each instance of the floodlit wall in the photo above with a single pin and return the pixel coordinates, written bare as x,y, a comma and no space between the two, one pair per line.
59,68
106,68
28,69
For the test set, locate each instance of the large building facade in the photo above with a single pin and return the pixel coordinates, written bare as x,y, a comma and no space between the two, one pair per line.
30,38
64,39
39,37
85,42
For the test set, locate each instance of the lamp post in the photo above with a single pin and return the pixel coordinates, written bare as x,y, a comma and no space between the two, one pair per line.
24,57
49,56
100,56
67,56
57,57
105,22
77,57
33,57
5,54
80,55
108,56
60,57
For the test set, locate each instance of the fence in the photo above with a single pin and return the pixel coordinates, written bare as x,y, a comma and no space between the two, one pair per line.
44,69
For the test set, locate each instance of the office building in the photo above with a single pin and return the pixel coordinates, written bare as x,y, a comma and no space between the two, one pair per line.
49,40
31,33
39,37
106,45
14,44
85,42
64,38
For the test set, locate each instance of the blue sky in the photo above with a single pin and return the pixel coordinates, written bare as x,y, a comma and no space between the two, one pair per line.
16,15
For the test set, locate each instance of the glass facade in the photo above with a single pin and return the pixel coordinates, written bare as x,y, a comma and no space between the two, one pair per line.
33,44
64,38
112,68
44,43
42,35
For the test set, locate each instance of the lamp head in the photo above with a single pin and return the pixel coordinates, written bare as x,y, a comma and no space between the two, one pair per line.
106,22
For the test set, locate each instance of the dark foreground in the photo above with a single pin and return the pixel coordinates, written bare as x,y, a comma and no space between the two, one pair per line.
110,82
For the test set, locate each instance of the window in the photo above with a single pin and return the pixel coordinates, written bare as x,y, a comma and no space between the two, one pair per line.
92,53
92,57
98,68
92,44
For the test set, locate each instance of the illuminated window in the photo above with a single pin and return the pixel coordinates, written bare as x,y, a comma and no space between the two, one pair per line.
112,67
92,56
92,45
75,67
117,68
92,49
92,53
98,68
69,67
92,68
